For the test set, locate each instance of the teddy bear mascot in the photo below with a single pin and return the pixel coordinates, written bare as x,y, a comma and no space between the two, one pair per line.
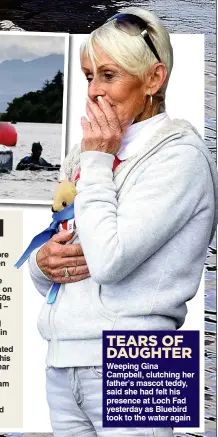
63,218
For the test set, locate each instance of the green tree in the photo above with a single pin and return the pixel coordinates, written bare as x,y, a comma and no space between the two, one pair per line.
42,106
58,79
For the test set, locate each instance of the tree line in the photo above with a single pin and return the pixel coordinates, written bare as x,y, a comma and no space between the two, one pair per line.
42,106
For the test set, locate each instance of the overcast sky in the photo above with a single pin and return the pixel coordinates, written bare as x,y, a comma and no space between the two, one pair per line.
28,47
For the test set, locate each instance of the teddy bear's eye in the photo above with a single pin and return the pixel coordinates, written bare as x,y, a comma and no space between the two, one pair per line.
64,204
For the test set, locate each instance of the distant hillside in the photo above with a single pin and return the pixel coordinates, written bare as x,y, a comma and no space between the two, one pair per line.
41,106
18,77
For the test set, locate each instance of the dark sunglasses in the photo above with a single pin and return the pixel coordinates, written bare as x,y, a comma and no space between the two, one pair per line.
134,25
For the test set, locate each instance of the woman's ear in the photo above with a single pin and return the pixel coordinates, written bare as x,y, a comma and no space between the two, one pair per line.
156,76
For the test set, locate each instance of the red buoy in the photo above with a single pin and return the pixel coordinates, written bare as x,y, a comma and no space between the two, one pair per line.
8,134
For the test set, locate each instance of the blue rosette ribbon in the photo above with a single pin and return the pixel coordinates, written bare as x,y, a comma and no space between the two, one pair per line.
42,238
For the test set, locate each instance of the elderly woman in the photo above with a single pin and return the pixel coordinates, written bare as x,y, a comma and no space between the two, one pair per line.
145,213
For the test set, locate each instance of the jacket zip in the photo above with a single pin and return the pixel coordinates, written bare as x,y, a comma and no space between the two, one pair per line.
54,340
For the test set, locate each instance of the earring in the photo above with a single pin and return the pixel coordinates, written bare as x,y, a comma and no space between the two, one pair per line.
151,99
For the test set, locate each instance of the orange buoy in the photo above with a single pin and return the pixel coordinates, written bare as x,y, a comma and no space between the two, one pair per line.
8,134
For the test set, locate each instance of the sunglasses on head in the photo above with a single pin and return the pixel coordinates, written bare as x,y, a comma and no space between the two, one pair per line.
134,25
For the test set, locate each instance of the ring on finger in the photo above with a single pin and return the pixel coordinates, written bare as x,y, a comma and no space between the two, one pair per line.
66,273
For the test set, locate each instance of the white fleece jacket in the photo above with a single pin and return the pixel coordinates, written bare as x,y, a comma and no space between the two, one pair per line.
144,231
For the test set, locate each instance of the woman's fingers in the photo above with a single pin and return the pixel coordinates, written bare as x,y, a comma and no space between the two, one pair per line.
53,258
55,269
73,271
54,247
86,127
97,117
61,237
92,119
109,113
103,115
58,262
72,261
73,278
103,133
54,255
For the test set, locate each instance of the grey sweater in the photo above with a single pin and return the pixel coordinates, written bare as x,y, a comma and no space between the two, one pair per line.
144,231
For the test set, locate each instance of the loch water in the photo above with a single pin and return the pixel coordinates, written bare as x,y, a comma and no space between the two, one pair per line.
33,186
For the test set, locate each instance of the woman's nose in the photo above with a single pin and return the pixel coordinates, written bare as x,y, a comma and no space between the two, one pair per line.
95,89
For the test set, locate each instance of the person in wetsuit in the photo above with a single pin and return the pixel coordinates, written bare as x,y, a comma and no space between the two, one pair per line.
35,161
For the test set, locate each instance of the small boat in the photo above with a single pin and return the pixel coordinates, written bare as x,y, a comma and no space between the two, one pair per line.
8,140
6,159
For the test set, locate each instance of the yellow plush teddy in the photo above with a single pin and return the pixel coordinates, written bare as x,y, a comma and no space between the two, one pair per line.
63,218
65,194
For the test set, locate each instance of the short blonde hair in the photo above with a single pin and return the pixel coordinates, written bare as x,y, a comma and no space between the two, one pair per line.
131,52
